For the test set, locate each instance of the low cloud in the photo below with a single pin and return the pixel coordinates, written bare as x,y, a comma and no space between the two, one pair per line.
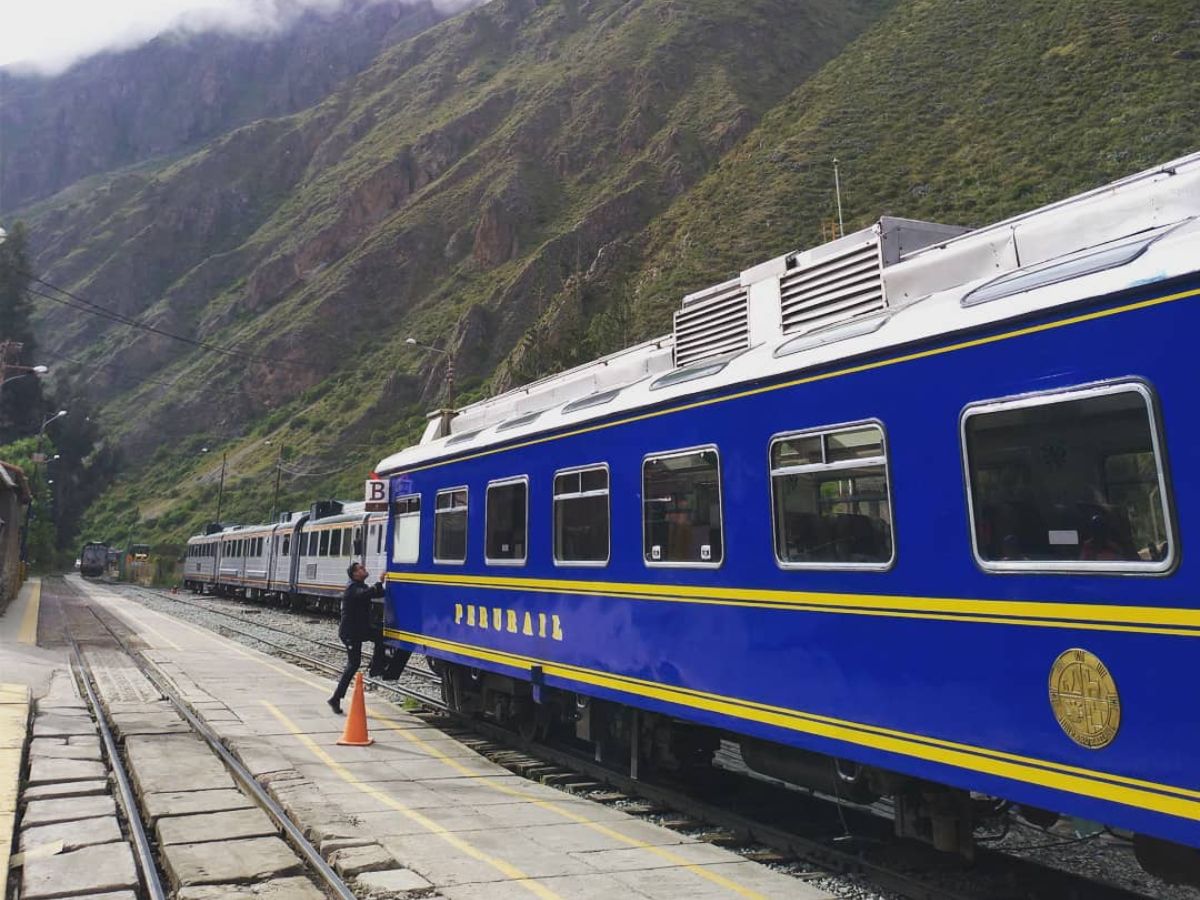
48,36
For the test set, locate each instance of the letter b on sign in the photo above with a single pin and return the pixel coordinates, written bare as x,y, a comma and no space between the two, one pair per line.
375,495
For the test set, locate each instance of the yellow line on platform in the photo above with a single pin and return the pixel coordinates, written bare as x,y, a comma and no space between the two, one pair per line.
551,806
29,621
506,869
481,778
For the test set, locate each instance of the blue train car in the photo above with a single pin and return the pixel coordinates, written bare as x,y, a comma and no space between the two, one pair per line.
904,514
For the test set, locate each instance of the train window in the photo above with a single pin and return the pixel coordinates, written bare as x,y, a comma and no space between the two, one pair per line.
506,522
287,540
830,499
378,529
323,543
1069,482
450,526
681,509
351,541
258,550
406,525
581,516
335,542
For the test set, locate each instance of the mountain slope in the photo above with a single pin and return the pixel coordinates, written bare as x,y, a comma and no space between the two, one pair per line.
959,112
177,91
464,179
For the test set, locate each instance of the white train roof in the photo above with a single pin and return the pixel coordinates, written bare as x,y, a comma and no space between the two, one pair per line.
894,283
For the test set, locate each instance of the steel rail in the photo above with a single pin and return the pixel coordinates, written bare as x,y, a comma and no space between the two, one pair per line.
241,774
133,816
811,850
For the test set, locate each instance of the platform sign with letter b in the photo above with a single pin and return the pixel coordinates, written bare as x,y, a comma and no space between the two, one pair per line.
376,495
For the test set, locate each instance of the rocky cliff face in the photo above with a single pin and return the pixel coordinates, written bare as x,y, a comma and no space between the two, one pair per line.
179,91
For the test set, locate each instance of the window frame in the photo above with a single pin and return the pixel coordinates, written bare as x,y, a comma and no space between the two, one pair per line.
670,454
466,531
1077,567
395,517
831,467
498,483
571,470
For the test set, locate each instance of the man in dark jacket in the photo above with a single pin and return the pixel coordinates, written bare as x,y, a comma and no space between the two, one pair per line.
355,627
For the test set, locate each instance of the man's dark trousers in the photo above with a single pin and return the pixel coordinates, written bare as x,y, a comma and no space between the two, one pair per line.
353,661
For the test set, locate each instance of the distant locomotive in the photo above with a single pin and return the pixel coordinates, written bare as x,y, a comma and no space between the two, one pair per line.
902,514
92,559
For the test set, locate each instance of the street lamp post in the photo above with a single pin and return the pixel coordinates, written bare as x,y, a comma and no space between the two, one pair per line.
413,342
11,349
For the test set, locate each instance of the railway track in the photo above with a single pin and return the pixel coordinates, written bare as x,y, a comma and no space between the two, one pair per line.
849,842
149,869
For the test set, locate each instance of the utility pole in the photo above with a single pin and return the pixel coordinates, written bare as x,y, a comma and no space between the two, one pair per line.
221,489
275,496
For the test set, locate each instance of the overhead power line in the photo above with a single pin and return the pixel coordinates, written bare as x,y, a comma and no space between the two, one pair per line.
81,304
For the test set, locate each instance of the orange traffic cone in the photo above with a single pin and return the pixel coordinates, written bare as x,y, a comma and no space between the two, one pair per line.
355,732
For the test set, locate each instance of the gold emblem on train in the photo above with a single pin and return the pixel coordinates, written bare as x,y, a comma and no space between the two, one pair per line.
1084,698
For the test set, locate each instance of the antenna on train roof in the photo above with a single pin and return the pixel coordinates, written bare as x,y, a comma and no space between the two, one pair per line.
837,189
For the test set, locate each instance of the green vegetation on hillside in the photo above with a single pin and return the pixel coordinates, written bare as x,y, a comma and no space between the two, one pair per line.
957,111
530,185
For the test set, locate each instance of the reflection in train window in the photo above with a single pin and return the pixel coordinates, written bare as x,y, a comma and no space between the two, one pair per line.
450,526
830,499
581,516
681,509
406,529
1069,482
506,523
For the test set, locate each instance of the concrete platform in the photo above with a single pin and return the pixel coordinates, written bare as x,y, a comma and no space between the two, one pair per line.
414,811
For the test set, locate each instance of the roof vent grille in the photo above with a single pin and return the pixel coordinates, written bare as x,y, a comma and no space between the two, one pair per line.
834,287
712,322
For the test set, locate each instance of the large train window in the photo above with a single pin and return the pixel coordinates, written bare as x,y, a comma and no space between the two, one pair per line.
1069,482
506,522
335,542
681,509
581,516
450,526
323,543
830,499
406,528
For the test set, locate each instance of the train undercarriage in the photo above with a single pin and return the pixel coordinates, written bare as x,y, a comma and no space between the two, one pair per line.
646,742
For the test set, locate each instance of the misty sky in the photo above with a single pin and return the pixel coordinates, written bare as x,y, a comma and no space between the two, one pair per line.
50,35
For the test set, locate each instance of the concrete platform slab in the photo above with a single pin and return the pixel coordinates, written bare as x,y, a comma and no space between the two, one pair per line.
231,862
351,861
443,863
51,771
277,889
58,748
161,763
127,725
186,803
62,724
750,877
595,886
65,789
74,834
390,881
67,809
86,871
217,826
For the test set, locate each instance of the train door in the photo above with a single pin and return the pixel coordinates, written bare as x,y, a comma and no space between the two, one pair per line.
296,559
